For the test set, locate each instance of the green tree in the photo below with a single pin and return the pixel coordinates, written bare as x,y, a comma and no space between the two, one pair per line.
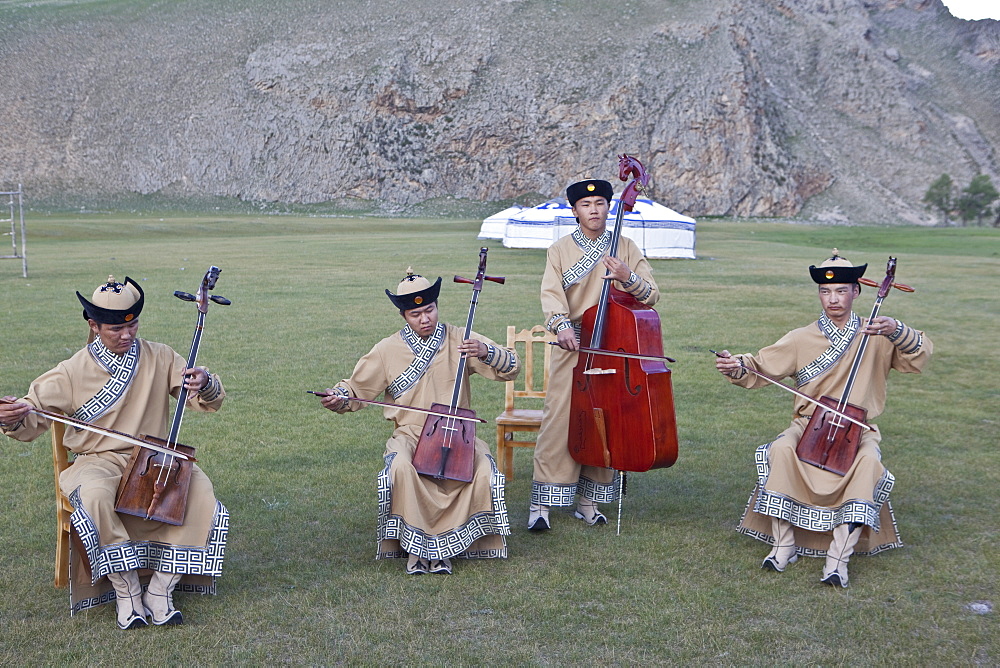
940,196
976,199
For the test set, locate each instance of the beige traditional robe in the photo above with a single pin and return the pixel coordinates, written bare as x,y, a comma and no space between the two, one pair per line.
114,542
814,500
435,519
557,476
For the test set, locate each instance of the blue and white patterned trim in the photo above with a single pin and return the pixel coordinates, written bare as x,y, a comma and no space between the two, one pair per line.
452,544
907,339
593,251
122,369
815,518
132,555
638,287
424,352
561,495
212,389
840,341
500,359
558,323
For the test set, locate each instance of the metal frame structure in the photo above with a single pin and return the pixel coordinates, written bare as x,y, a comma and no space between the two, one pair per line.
15,209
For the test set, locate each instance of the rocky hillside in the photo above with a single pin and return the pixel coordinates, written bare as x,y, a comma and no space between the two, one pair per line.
830,110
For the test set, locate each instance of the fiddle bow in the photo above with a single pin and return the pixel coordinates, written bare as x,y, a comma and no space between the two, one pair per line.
156,481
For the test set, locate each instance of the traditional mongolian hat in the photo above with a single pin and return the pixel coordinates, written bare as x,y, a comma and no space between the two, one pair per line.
589,188
414,291
836,270
113,303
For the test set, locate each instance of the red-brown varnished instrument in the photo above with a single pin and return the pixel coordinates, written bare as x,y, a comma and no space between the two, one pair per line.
829,441
622,408
156,482
447,445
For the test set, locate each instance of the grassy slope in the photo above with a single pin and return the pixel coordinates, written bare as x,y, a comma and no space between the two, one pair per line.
301,585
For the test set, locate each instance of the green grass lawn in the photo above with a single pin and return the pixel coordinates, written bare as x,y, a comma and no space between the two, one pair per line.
678,586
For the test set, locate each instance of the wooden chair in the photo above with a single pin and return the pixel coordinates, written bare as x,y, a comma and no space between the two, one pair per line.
520,420
60,461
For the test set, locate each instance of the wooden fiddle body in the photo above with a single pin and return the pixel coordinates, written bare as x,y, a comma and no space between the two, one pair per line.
155,485
624,419
829,441
447,447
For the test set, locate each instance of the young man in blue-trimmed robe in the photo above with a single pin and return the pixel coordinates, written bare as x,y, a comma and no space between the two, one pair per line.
429,521
800,508
122,382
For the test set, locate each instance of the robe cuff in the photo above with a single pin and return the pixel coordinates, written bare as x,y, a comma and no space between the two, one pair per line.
638,287
500,359
212,389
8,428
558,323
907,339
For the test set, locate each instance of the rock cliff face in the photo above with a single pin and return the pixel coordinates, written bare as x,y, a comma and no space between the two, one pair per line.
831,110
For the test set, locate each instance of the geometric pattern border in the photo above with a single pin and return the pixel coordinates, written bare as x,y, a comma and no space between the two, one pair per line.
122,370
814,518
556,494
840,341
157,556
423,351
593,251
451,544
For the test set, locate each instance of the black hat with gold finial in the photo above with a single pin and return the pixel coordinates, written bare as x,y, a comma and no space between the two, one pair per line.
414,291
589,188
836,269
113,303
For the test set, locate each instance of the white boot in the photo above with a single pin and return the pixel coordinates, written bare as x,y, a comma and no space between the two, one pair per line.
159,599
588,511
128,600
538,517
841,549
783,552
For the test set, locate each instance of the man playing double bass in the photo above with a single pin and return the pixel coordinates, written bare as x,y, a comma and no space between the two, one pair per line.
427,519
575,270
121,382
798,507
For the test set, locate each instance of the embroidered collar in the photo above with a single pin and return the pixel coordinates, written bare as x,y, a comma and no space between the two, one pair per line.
113,363
122,369
834,334
424,351
840,341
588,244
593,251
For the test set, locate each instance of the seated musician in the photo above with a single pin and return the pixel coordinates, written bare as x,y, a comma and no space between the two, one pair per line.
429,520
121,382
798,507
575,271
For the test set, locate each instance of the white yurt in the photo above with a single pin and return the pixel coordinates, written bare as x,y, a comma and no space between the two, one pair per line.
659,231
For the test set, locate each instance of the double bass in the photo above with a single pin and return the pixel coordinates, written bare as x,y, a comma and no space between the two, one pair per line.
156,481
622,406
447,445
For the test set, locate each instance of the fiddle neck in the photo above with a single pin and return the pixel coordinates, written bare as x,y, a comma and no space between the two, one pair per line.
859,355
597,337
